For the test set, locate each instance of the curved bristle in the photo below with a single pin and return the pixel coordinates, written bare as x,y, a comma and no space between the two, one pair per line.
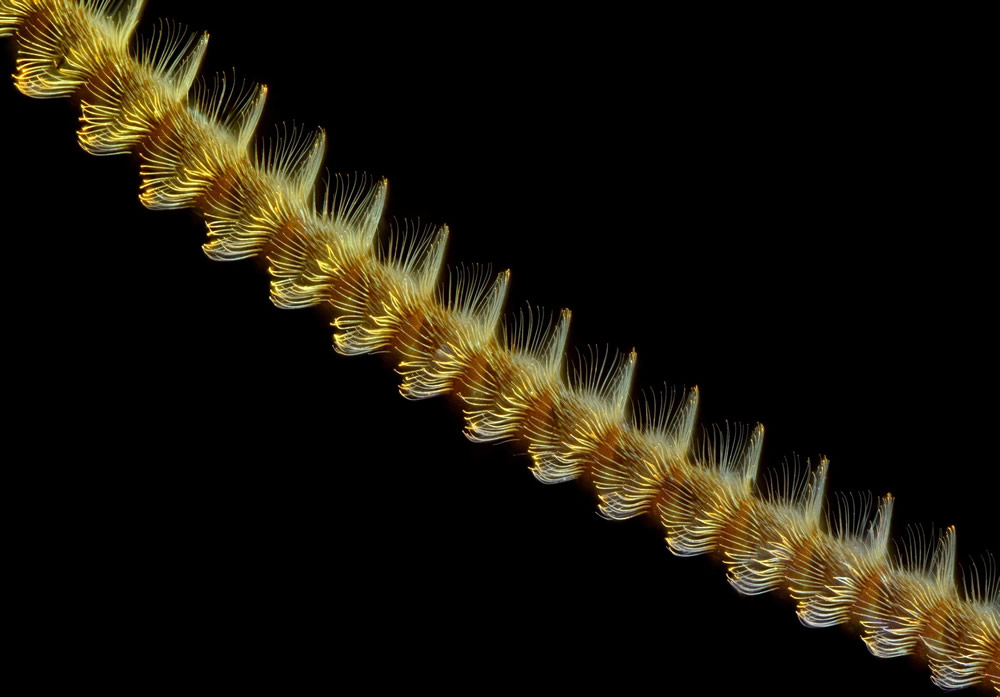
383,289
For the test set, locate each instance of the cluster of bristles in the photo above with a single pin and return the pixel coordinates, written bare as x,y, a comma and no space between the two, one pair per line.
197,148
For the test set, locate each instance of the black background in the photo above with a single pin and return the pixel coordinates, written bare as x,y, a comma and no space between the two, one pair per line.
791,217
